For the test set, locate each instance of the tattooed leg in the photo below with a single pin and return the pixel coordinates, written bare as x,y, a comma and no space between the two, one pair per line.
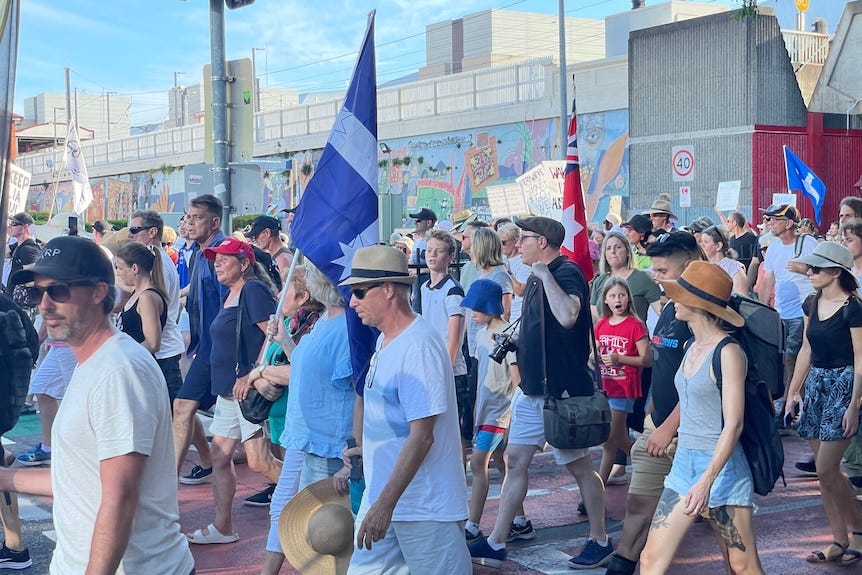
669,500
724,526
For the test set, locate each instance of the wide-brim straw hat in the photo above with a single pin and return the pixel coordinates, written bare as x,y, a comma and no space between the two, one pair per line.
379,264
316,530
704,286
662,207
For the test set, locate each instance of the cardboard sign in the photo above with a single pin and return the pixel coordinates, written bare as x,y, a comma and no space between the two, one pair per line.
542,187
18,188
506,200
728,196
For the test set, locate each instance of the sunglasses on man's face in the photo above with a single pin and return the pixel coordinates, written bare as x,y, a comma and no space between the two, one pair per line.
359,293
59,292
138,229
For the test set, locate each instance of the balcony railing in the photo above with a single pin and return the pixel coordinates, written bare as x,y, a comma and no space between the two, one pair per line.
806,47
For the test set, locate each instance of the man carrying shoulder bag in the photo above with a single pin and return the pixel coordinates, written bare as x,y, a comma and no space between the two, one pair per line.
558,291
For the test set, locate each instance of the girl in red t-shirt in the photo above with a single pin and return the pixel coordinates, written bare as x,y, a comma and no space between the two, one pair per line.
623,345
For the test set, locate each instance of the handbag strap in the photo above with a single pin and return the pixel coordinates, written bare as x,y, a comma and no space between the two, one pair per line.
239,333
597,378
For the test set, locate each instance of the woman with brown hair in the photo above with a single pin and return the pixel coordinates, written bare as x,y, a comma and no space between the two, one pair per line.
830,365
716,246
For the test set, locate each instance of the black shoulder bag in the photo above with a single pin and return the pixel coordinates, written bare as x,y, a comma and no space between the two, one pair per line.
255,407
574,422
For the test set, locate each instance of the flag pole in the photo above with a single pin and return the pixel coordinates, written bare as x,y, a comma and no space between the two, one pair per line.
786,169
281,299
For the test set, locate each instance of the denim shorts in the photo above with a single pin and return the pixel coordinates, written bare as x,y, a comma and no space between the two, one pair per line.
733,486
622,404
793,329
828,392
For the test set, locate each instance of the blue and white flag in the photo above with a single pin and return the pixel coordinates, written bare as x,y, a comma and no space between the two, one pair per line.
801,178
338,212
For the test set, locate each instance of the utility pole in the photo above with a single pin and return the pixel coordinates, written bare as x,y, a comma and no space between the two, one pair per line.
108,110
68,96
564,84
221,171
255,84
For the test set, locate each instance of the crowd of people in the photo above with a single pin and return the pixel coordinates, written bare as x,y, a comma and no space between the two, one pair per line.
479,323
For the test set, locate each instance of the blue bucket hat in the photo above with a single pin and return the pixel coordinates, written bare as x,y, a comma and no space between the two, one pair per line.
485,297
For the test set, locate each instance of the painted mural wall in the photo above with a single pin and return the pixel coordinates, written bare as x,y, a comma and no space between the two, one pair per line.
449,172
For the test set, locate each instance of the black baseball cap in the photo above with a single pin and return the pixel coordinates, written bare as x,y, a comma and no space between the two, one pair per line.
700,224
69,258
551,230
22,219
261,223
639,223
424,214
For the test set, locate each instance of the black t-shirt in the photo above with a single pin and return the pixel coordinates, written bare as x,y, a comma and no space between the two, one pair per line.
667,343
745,247
258,304
831,345
567,350
23,254
130,319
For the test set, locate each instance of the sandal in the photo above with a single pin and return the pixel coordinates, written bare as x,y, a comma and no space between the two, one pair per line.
209,535
852,555
821,557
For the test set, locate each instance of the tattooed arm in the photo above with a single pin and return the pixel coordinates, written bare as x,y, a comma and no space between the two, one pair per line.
733,365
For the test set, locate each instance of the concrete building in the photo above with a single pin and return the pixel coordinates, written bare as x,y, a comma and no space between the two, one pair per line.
105,115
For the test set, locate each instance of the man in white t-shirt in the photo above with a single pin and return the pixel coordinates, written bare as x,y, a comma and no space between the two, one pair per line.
789,280
113,475
412,512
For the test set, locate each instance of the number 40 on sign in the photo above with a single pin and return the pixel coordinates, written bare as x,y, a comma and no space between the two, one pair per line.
682,163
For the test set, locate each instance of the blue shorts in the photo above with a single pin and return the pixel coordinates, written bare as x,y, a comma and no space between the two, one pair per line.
622,404
488,438
733,486
828,392
197,385
793,329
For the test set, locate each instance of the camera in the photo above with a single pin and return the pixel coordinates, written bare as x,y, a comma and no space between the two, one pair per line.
504,343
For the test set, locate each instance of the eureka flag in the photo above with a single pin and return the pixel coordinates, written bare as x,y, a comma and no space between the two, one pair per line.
801,178
576,245
338,212
82,194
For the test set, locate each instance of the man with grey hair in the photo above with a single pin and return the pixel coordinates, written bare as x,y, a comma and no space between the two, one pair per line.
112,475
412,513
145,227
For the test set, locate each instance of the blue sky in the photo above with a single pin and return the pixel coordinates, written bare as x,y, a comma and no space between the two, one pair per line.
133,47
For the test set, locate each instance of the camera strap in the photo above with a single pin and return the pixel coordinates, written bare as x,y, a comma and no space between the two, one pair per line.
597,380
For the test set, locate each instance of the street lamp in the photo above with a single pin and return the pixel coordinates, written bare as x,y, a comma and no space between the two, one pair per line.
255,83
181,92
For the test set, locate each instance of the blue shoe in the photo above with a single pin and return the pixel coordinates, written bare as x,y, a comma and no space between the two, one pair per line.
35,456
592,555
470,537
197,476
482,554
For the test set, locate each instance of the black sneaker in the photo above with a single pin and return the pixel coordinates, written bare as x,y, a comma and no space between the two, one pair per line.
197,476
14,559
521,531
262,499
470,537
806,466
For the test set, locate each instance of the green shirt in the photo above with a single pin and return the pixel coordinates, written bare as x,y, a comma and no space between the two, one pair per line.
644,291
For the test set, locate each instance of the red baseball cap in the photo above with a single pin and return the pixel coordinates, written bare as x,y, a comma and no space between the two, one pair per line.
232,247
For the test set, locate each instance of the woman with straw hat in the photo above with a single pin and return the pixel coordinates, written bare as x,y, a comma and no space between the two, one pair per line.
830,365
710,476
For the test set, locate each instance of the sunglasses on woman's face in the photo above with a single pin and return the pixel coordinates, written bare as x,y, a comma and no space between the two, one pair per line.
815,270
59,292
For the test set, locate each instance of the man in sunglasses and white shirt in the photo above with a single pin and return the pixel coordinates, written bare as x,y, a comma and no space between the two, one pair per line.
113,475
789,280
412,512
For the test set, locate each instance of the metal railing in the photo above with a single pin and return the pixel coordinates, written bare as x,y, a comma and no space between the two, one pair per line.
806,47
458,93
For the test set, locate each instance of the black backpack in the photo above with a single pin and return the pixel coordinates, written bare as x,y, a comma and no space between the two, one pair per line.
760,440
762,338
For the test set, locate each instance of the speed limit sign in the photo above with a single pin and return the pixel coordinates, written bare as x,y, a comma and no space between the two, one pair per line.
682,163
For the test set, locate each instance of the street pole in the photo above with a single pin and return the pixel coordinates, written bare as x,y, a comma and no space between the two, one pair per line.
564,84
221,173
68,96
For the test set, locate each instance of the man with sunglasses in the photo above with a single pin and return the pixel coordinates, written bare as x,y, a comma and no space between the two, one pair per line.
25,250
789,281
112,476
205,296
412,513
553,349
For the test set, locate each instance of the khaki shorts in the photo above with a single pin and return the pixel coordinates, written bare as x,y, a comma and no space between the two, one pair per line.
648,472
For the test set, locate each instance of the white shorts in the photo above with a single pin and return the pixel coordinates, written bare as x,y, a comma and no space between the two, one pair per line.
414,548
528,428
228,420
54,373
